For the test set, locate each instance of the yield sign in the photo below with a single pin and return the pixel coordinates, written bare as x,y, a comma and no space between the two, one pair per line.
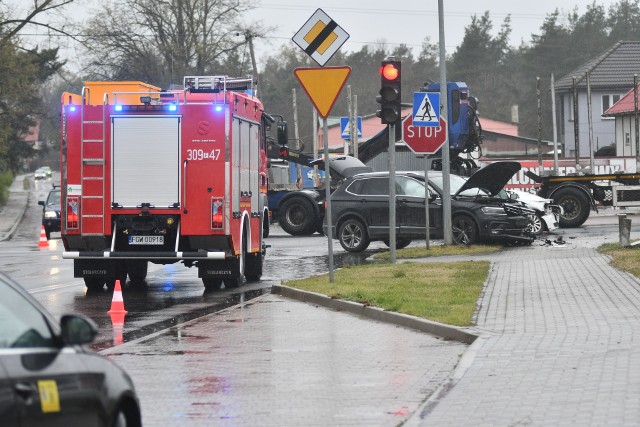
323,85
423,139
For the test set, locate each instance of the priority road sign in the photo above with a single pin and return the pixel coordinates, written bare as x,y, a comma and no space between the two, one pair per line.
426,109
424,139
320,37
344,127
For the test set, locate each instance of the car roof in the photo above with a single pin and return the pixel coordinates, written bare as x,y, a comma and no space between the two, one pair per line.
414,174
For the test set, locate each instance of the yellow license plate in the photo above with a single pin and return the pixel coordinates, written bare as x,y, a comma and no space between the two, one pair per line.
49,398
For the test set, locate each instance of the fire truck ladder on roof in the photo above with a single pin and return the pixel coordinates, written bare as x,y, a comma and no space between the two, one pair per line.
92,172
216,84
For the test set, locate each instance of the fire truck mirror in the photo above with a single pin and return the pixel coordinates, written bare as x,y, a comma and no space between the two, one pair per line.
283,135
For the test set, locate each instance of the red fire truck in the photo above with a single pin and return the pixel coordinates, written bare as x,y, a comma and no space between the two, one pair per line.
164,176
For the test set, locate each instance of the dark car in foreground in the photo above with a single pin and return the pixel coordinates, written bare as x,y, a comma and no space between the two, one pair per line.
51,212
48,378
360,208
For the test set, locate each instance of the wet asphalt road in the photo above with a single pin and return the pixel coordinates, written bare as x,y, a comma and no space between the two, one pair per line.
173,293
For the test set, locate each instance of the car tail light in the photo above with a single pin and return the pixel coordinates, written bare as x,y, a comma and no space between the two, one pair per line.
217,213
73,208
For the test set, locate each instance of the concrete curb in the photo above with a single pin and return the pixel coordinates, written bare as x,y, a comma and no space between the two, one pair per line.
438,329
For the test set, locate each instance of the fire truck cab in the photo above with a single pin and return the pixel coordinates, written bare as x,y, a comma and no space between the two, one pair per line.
164,176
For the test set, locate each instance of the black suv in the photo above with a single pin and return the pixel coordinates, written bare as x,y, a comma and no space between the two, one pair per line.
51,212
360,208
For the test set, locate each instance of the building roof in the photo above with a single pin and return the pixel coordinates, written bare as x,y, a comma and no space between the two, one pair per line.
625,106
611,69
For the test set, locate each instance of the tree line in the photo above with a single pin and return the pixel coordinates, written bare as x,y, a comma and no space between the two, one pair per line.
160,42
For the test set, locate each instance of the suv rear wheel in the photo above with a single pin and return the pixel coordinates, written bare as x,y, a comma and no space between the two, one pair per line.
353,236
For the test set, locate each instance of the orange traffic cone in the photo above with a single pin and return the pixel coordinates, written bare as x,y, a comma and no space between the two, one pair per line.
117,303
117,314
43,243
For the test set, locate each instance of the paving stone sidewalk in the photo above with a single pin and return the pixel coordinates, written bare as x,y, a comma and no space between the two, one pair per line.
560,345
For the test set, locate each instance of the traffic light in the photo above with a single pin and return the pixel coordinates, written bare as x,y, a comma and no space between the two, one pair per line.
390,92
283,152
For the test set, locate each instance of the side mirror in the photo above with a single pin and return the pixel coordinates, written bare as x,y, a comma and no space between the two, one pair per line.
432,197
41,202
283,133
77,330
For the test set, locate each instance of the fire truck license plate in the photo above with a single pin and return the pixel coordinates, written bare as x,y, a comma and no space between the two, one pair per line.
146,240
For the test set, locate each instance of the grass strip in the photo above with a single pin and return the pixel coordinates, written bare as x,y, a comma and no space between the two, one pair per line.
445,292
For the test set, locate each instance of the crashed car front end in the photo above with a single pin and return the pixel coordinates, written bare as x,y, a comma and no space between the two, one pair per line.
505,222
548,212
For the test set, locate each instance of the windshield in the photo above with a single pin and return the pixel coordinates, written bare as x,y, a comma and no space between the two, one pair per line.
54,198
455,182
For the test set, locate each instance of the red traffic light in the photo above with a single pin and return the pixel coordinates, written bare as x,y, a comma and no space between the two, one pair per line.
283,152
389,71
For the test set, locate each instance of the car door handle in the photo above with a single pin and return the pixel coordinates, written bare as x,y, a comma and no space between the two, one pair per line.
24,390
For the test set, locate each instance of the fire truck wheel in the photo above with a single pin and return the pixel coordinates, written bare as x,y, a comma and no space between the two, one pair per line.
137,271
253,269
94,284
120,273
234,282
265,227
212,284
575,204
297,217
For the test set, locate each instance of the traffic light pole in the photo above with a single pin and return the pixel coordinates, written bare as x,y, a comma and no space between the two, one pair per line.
392,193
446,185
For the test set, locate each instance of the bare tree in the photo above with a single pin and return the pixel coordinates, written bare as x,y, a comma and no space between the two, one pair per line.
11,25
159,40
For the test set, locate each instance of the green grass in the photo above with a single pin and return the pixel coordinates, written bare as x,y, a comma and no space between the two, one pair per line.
6,178
625,259
445,292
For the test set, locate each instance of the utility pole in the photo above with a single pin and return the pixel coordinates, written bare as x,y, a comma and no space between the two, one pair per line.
249,38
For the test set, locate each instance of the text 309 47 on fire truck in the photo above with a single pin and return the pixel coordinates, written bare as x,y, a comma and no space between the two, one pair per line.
164,177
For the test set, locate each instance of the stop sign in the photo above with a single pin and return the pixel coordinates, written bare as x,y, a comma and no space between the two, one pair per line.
423,139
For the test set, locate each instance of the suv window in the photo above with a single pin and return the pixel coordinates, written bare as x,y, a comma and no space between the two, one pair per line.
376,187
410,187
21,324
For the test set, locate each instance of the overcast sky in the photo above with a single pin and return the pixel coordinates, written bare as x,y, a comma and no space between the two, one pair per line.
395,22
370,21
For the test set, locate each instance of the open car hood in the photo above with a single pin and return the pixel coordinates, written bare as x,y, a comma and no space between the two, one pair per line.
343,167
491,178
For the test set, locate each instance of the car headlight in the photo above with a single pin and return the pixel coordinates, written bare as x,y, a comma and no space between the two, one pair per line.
492,210
50,214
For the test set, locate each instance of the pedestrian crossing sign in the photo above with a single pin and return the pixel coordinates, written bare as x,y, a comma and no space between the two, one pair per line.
426,109
344,127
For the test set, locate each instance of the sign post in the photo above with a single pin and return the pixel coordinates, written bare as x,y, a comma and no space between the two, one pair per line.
320,37
424,140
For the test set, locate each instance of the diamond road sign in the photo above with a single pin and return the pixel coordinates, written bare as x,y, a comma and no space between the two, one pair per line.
320,37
